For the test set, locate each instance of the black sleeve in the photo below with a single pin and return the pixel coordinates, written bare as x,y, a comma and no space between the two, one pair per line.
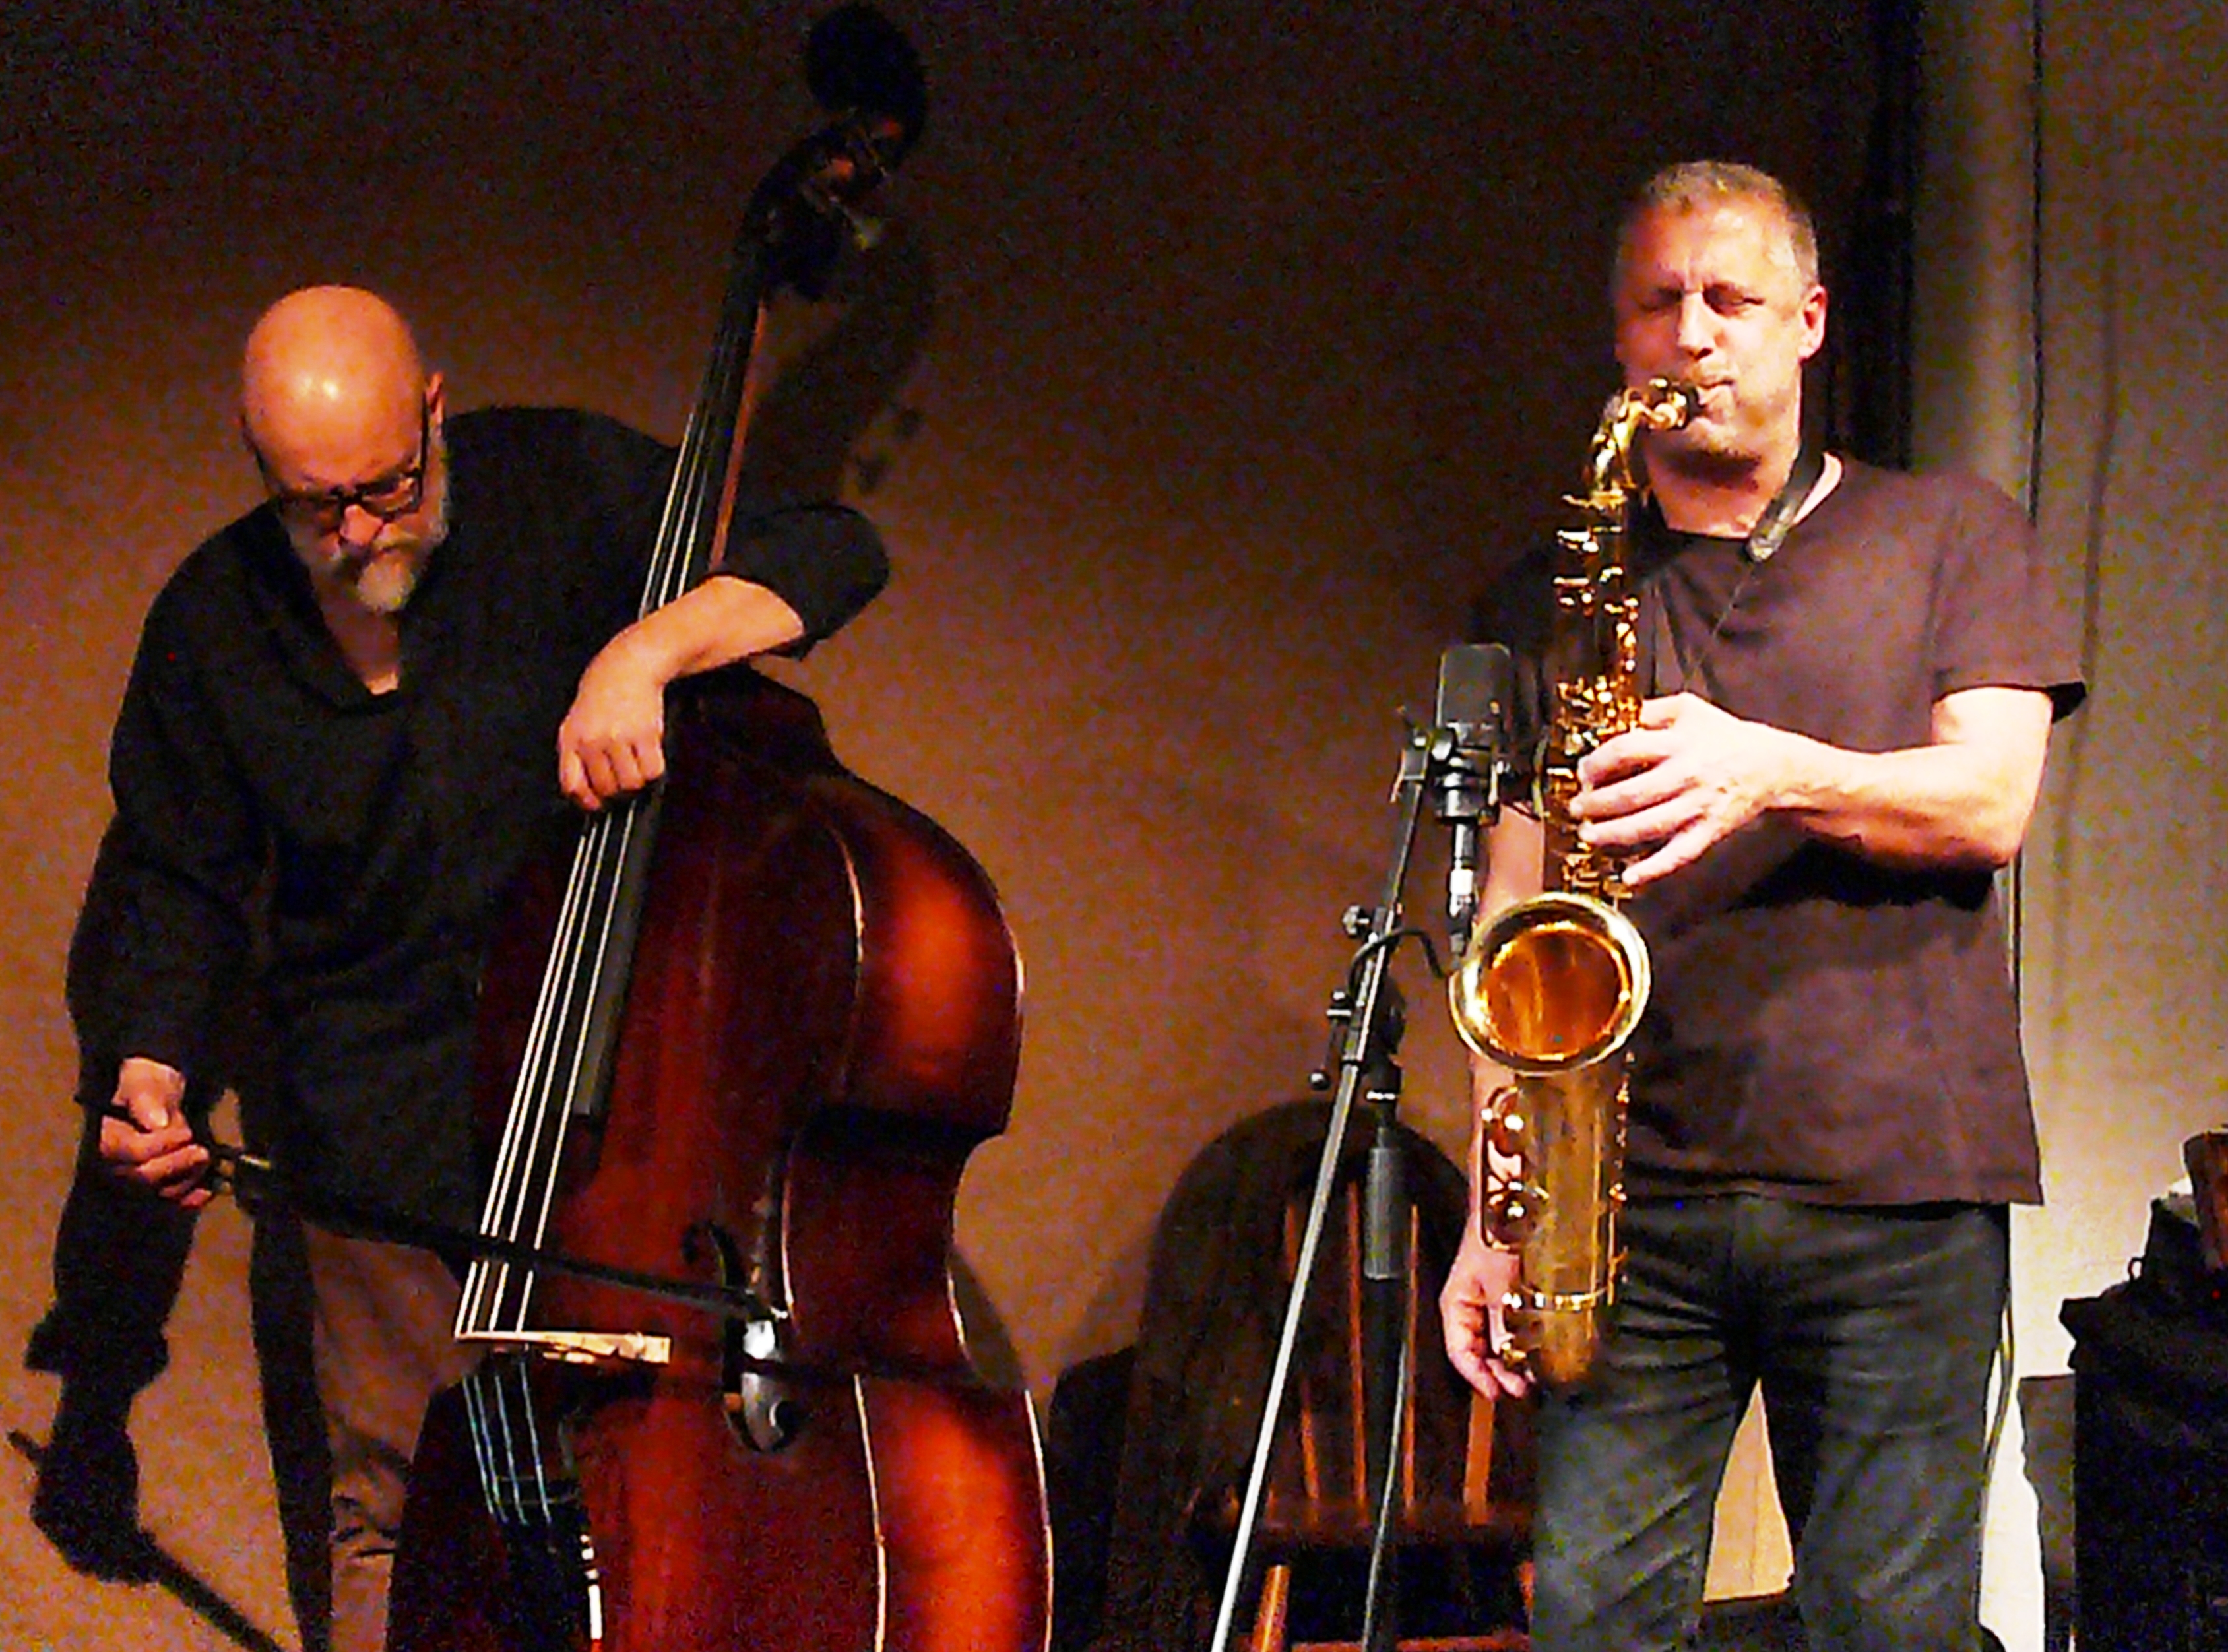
822,559
179,867
826,561
93,990
89,977
1997,620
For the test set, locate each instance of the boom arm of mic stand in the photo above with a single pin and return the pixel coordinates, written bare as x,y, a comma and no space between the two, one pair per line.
1365,1048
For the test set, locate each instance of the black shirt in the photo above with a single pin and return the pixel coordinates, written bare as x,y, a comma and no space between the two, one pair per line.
1824,1027
253,769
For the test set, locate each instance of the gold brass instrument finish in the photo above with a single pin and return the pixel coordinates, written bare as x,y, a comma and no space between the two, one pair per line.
1551,988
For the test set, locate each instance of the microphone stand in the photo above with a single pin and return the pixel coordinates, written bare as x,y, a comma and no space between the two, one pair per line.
1366,1018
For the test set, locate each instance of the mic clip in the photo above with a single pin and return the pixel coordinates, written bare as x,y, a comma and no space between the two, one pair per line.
1468,764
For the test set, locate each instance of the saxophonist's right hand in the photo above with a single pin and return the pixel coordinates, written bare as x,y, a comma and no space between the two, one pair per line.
1470,1311
146,1139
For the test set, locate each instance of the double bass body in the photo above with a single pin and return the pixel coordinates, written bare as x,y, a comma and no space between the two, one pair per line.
823,1022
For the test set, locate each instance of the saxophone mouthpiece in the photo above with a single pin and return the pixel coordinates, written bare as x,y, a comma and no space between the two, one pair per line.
1672,403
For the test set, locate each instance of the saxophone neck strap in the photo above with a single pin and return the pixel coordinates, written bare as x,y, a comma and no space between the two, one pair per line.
1779,515
1764,540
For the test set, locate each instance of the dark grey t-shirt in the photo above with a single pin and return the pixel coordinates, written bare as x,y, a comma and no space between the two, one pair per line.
1822,1028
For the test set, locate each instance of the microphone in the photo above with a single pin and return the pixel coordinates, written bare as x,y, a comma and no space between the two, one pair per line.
1471,720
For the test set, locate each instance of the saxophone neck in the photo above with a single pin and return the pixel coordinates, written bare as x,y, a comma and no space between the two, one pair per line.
1661,404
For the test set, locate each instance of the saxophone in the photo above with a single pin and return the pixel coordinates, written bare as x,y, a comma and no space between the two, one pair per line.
1553,987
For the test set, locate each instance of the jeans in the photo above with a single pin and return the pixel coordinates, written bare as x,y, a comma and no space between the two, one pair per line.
1872,1332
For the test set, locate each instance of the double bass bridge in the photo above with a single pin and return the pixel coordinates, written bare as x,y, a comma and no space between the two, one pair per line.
579,1348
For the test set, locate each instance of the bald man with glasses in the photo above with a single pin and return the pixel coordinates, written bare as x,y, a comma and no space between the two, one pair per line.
353,714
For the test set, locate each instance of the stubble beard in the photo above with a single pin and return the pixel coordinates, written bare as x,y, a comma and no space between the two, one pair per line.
1703,456
1720,450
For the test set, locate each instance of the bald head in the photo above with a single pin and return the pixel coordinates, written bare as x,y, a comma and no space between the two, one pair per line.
331,387
345,425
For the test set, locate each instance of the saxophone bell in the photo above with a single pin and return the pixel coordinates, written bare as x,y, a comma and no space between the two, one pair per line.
1553,985
1552,989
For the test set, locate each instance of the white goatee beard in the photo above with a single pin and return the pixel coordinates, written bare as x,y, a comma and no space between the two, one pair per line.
383,579
386,584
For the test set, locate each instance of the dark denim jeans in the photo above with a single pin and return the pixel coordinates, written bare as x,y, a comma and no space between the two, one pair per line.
1872,1331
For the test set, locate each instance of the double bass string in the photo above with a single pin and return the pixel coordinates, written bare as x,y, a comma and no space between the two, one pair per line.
523,1188
549,1072
567,1046
501,1421
505,1427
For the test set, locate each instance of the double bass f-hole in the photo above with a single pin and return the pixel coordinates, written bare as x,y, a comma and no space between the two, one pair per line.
760,1403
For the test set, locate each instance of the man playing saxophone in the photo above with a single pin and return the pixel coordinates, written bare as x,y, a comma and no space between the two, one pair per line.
1849,677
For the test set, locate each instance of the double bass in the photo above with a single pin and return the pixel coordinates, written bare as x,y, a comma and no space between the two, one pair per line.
731,1072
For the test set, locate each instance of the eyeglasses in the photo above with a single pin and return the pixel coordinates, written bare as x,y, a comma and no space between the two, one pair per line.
384,497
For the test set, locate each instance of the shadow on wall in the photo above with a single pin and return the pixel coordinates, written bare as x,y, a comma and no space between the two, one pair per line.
830,366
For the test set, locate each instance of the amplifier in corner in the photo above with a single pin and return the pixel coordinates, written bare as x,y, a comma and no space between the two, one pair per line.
2207,1155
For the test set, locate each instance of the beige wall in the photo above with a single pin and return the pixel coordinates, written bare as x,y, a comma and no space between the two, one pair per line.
2124,893
1254,352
